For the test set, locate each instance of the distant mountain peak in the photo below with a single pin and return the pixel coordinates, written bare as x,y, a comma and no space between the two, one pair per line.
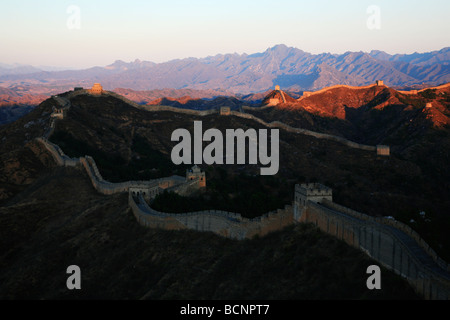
118,64
283,49
278,47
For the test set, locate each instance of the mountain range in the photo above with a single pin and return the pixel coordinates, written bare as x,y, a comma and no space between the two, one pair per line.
291,68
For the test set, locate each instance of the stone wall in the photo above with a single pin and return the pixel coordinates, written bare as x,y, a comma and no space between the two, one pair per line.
393,223
281,125
408,92
75,93
275,124
51,129
185,189
226,224
378,83
391,243
109,188
60,157
200,113
150,188
443,86
102,186
307,94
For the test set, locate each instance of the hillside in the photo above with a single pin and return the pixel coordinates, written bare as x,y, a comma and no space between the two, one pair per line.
46,229
54,218
129,143
15,103
372,115
39,200
417,134
148,96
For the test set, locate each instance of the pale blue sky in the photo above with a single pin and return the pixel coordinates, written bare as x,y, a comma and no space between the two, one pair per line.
35,31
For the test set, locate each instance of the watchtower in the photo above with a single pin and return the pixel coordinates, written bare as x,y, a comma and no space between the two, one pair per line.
225,111
314,192
383,150
196,174
275,97
58,113
97,89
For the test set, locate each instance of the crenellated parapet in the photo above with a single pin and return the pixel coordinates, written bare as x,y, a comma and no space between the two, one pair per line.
314,192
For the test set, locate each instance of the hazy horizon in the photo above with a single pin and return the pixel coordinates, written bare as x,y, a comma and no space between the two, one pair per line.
81,34
107,63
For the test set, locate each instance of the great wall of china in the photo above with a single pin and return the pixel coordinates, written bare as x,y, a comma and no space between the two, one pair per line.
443,86
391,243
226,224
274,124
307,94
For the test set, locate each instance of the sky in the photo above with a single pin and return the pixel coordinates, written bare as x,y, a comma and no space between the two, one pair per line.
81,34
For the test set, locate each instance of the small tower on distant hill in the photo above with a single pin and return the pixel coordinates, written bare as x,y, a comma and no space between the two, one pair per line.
277,97
379,83
97,89
225,111
58,113
383,150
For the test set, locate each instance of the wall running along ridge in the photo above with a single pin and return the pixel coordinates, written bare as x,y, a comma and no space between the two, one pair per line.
443,86
226,224
274,124
307,94
391,243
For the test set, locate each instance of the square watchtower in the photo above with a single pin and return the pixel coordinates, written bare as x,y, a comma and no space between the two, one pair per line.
196,174
225,111
97,89
314,192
